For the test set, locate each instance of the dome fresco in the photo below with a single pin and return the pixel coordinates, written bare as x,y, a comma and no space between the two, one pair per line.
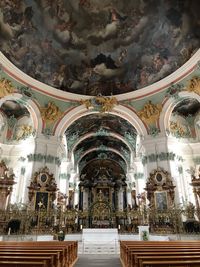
93,47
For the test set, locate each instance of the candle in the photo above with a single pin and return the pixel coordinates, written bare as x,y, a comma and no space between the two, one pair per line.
9,231
81,226
119,226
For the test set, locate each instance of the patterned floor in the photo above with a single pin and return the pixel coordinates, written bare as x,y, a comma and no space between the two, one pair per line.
98,261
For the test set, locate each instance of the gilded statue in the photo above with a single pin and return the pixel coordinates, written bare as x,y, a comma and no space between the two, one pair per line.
23,132
194,85
6,87
104,104
150,112
51,113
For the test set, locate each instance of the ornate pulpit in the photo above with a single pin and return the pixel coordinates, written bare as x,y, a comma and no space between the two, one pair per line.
6,185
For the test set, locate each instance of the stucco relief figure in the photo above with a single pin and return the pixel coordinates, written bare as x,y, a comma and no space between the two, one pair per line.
6,87
23,132
189,211
194,85
51,112
150,113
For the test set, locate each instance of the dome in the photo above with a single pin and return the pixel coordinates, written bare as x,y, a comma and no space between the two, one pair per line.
107,47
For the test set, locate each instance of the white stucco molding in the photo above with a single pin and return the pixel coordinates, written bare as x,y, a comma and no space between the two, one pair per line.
23,78
32,108
81,111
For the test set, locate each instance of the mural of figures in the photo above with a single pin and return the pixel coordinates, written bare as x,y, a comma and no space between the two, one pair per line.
91,47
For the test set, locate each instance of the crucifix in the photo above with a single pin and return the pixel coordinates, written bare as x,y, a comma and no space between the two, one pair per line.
40,204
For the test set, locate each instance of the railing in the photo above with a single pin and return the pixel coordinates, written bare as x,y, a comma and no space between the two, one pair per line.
24,221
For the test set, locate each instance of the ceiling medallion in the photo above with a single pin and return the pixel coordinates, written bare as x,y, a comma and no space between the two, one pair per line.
194,85
150,112
101,103
6,87
50,113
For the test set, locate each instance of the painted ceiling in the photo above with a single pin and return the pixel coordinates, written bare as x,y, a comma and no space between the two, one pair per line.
93,47
12,108
99,167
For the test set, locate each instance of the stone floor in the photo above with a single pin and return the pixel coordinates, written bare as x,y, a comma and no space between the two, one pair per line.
98,261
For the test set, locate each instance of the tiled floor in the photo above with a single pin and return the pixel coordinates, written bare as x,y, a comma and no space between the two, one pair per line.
98,261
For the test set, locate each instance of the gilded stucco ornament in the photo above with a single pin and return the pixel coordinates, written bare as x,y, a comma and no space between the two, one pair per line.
178,130
6,87
23,132
101,103
51,113
150,112
194,85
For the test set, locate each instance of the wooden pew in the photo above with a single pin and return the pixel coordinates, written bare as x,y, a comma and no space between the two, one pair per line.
67,249
131,250
22,263
168,263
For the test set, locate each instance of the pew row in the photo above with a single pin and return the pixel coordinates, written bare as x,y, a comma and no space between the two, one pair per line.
138,253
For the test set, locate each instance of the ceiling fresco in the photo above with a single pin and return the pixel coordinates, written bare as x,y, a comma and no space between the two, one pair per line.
94,47
100,124
102,143
187,107
12,108
103,168
101,157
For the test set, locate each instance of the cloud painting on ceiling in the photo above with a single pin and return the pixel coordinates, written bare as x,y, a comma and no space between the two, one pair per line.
93,47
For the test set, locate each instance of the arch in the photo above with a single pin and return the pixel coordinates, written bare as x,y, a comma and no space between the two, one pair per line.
32,108
117,136
81,111
170,105
109,149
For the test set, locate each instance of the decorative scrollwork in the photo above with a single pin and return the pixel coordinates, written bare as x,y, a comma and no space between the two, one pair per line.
101,103
150,112
194,85
6,87
50,113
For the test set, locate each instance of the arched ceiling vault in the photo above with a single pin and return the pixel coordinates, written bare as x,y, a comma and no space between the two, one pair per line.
102,128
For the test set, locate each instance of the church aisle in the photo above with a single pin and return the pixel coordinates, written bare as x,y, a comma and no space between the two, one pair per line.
98,260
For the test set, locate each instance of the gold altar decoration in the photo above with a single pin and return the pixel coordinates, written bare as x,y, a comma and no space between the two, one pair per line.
150,112
42,190
104,104
6,184
194,85
160,190
50,113
23,132
195,183
6,87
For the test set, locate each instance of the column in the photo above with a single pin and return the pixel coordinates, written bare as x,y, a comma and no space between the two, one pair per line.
120,199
